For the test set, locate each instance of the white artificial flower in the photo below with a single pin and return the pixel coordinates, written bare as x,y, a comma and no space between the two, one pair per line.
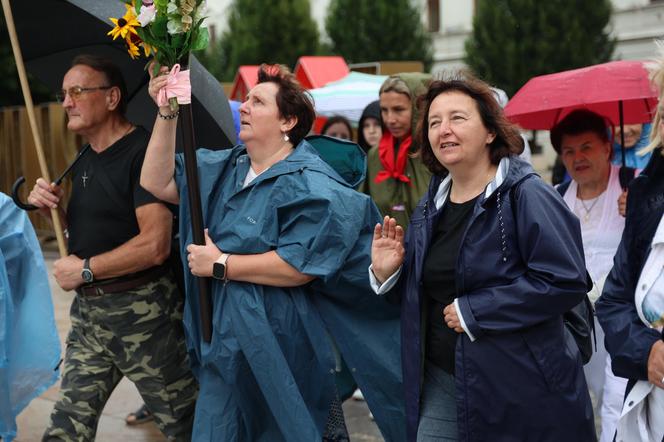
174,26
172,8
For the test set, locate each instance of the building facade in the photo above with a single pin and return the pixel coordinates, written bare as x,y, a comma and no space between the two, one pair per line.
635,24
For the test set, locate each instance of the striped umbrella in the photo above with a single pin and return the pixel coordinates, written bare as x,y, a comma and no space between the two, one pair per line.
347,97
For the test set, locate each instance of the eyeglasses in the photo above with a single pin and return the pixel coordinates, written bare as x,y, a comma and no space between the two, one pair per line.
75,92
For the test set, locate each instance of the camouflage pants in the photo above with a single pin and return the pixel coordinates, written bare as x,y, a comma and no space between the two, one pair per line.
137,334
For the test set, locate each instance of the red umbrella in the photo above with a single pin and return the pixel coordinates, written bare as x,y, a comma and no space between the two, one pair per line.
602,88
619,91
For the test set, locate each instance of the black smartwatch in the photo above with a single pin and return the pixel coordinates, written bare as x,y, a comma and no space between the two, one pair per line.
87,274
219,269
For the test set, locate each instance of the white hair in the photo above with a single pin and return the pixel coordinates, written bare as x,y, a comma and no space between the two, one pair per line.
656,75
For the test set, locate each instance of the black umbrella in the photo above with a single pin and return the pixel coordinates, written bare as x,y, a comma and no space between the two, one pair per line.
52,32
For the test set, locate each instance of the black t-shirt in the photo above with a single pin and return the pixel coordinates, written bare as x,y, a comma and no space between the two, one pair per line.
101,214
438,281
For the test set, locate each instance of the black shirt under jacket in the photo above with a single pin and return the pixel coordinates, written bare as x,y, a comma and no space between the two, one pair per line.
439,281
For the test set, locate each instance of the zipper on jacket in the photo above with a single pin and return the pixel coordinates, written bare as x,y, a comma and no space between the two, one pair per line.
503,242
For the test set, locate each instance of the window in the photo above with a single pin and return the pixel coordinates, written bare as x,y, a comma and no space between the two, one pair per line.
433,7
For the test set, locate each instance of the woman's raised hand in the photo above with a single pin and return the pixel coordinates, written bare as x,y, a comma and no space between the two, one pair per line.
387,250
157,81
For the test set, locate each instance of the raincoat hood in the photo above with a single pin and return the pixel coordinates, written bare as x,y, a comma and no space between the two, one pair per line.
371,111
511,170
343,161
417,83
346,159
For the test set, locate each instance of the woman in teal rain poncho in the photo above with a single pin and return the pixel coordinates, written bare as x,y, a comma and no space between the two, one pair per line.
288,240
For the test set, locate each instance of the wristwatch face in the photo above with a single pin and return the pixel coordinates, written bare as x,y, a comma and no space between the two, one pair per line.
86,274
219,271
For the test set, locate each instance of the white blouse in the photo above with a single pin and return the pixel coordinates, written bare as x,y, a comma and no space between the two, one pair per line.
650,288
601,226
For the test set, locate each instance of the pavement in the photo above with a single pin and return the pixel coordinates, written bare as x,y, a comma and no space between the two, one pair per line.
34,419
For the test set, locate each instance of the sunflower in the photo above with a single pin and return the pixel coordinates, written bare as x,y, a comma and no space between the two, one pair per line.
125,25
133,42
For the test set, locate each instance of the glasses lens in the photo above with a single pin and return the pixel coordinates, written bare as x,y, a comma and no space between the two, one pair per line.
60,96
75,92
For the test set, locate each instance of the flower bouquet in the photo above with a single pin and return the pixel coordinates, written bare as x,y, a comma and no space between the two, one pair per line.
170,30
167,29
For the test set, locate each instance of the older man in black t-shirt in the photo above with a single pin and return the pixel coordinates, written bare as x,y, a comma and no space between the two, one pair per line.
126,316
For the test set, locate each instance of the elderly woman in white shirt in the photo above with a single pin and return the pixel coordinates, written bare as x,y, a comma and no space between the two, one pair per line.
581,139
631,308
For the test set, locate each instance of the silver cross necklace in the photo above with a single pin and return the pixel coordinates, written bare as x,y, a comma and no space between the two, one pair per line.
587,209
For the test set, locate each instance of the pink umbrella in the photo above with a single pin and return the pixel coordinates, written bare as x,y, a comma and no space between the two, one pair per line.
603,88
618,90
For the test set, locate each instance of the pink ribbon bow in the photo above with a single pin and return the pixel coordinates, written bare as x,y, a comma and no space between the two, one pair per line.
178,86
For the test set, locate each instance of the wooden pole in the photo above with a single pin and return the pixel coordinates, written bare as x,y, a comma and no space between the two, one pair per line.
20,67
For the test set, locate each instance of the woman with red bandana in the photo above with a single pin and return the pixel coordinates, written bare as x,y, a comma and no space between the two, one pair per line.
395,180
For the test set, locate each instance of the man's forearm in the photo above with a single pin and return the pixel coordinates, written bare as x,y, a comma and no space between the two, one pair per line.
139,253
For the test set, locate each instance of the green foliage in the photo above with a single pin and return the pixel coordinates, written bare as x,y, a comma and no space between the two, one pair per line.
515,40
159,27
161,4
201,39
378,30
264,31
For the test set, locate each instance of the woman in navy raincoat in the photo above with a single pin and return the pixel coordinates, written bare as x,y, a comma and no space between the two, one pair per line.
492,260
288,243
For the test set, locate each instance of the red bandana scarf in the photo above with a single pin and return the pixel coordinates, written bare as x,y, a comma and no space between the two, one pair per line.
386,155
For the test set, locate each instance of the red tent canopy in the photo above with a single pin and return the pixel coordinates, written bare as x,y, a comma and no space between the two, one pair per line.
316,71
245,79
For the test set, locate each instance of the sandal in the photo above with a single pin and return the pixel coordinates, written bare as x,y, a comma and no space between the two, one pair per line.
139,416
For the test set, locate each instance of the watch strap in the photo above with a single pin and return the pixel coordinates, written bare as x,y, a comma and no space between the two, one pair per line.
222,260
